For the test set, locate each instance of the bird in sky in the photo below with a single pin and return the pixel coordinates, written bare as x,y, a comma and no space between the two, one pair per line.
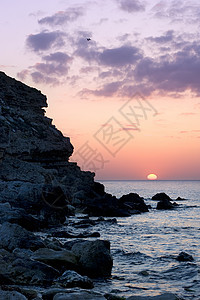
88,39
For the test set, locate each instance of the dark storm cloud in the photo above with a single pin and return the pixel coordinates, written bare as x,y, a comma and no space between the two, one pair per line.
63,17
119,57
131,5
45,40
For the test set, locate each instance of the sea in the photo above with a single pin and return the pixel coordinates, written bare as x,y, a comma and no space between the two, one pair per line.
145,246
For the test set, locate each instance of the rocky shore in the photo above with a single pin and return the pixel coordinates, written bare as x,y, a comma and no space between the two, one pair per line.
39,190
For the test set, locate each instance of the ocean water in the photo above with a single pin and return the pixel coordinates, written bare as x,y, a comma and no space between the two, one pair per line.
145,246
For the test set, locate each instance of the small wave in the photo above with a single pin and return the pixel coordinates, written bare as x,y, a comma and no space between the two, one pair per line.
184,271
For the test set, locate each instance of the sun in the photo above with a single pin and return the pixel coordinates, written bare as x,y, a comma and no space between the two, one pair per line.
152,177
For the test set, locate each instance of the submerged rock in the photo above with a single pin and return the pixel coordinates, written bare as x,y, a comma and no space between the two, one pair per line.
183,256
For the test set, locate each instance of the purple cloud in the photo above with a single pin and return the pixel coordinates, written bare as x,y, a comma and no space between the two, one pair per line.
131,5
119,57
166,38
174,73
63,17
177,11
38,77
45,40
106,90
52,70
23,74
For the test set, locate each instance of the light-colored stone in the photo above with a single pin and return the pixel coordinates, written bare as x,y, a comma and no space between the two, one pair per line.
71,279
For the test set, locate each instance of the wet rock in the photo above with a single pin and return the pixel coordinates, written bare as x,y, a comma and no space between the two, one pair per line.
166,204
113,297
14,236
71,279
64,234
183,256
180,199
61,260
86,295
161,197
165,296
94,258
11,295
134,201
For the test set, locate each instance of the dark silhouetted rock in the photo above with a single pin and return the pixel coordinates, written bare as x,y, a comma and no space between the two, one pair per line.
180,199
94,258
79,295
11,295
61,259
25,271
165,296
166,204
183,256
134,201
14,236
161,197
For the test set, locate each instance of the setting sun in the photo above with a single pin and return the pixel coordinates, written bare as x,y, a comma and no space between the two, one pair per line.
152,177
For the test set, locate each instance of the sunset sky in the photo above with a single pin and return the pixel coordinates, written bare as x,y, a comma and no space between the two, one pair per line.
122,78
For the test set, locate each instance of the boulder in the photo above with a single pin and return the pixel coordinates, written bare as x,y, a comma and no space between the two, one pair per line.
11,295
183,256
134,201
166,204
94,258
14,236
161,197
70,279
79,295
24,271
62,259
164,296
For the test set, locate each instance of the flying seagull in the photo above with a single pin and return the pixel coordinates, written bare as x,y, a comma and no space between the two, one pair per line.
88,39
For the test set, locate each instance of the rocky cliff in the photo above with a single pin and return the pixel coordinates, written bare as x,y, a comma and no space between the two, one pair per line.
34,169
35,172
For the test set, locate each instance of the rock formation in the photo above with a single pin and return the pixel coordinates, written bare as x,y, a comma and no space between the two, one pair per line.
35,172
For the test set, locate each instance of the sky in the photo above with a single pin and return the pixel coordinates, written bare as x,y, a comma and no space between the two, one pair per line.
122,78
